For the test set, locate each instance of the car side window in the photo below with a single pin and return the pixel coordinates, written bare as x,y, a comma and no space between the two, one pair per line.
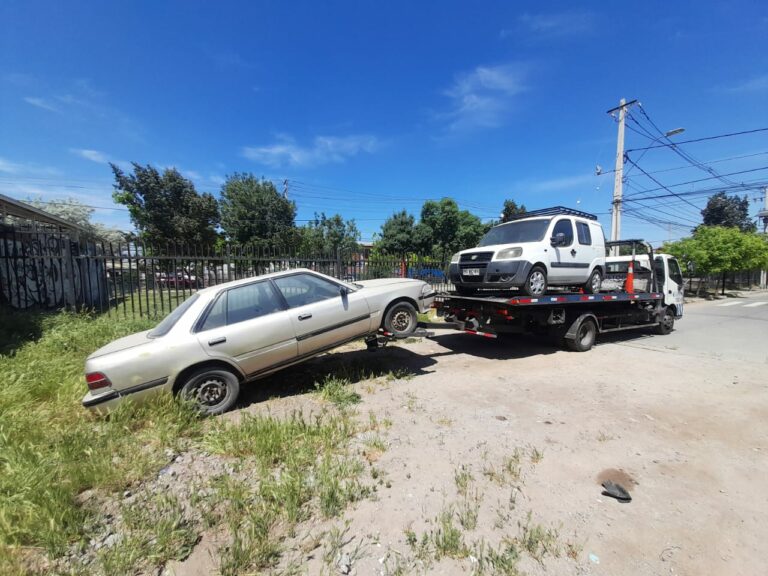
251,301
564,227
217,315
302,289
585,236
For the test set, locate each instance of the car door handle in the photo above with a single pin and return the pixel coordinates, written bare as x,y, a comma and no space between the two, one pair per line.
573,252
217,341
306,316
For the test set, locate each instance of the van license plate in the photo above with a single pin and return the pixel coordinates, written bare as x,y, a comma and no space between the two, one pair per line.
471,272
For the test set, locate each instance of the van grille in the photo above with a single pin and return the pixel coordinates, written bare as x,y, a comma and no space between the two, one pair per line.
478,257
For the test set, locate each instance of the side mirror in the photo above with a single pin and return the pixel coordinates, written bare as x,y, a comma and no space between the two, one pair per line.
343,291
558,239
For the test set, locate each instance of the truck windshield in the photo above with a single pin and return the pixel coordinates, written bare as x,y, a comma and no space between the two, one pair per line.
514,232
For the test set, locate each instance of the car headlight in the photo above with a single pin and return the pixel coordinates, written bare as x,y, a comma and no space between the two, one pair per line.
426,289
455,258
509,254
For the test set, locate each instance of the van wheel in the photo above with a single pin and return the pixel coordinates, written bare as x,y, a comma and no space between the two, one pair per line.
595,281
667,323
213,390
400,319
536,282
465,290
585,336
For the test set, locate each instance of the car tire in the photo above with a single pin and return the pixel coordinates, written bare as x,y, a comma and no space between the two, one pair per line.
400,319
594,282
585,336
667,322
465,290
536,282
213,390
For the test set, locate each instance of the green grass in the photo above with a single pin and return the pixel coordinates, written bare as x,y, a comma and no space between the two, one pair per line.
51,449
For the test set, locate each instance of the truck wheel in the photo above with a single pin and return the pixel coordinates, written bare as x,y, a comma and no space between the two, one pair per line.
536,282
585,337
214,390
400,319
465,290
667,322
595,281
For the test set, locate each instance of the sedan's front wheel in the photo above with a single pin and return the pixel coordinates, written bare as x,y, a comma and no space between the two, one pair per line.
213,390
400,319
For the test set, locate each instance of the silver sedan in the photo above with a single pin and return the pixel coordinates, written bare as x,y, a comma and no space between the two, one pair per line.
228,334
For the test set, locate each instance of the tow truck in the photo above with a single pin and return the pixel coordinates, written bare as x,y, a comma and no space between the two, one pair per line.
640,290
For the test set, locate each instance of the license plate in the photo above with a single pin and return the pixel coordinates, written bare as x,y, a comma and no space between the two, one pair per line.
471,272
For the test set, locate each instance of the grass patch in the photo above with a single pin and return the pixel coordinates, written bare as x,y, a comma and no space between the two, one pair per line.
51,449
337,390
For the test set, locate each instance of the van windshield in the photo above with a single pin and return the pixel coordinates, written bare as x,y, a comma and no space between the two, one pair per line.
514,232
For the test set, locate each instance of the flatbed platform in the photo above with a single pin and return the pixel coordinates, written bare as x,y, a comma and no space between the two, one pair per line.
507,299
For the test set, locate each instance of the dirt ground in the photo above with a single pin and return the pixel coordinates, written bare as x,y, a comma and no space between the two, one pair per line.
536,430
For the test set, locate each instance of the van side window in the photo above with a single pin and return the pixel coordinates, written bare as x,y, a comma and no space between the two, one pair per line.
585,236
564,227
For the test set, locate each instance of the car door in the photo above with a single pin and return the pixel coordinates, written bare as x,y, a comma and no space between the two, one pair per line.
671,281
562,255
321,315
250,325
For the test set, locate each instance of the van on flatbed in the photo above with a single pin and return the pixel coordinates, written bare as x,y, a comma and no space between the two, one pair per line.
576,319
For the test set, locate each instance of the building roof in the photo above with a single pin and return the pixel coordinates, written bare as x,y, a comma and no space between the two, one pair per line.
19,209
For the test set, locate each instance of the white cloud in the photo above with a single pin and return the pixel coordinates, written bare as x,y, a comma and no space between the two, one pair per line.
92,155
568,23
324,150
757,84
578,181
41,103
481,98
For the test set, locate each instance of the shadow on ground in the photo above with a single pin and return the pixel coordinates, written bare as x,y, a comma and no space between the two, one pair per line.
17,327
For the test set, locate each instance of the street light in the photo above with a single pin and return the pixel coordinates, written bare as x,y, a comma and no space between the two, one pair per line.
619,173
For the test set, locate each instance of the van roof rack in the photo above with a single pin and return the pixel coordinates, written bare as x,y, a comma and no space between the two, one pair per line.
554,211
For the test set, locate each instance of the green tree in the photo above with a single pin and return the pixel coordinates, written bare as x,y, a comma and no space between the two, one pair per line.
252,210
397,234
166,208
728,211
329,235
511,209
451,229
76,212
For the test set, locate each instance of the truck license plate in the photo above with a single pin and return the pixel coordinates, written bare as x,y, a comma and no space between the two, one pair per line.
471,272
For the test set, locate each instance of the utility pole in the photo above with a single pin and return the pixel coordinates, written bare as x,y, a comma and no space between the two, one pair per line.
619,171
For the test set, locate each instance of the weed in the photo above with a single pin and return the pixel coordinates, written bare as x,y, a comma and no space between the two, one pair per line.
447,539
462,478
337,390
501,561
536,455
603,437
443,421
411,402
468,509
537,540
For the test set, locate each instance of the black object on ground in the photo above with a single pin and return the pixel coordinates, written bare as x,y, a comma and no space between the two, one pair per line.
617,491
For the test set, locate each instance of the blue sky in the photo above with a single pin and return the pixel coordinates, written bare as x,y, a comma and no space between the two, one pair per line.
371,107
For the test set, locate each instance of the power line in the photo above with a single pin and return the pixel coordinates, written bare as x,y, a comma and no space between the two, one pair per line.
663,187
654,179
702,139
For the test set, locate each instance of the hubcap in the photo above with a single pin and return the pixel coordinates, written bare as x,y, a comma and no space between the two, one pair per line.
595,282
536,282
211,391
401,321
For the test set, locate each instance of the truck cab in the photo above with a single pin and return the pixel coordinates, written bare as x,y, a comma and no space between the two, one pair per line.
666,270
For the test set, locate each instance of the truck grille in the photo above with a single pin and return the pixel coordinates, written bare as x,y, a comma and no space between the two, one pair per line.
476,257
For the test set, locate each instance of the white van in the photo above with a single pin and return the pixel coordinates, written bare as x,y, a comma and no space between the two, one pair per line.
552,247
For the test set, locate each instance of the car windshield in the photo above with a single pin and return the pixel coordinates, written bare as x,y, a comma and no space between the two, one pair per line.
522,231
170,321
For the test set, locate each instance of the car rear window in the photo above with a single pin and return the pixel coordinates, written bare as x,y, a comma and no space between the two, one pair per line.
170,321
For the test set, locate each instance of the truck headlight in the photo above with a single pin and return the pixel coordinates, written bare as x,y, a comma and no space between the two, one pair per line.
455,258
508,254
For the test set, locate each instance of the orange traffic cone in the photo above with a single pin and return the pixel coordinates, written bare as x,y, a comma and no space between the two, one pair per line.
629,285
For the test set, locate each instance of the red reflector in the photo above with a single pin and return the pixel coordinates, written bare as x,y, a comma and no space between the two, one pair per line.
97,380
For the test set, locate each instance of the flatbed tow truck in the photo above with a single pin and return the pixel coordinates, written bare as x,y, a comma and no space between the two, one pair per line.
574,319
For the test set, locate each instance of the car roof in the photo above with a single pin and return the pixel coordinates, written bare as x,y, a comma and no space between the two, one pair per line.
241,281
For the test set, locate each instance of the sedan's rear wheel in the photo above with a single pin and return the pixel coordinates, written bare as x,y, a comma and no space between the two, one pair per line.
400,319
213,390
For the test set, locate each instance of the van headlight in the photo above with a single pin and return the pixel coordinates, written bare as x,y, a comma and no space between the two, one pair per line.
455,258
508,254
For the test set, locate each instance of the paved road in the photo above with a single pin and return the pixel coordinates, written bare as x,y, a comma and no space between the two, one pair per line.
733,328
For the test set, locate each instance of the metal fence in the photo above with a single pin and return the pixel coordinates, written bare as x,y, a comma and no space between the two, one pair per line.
139,280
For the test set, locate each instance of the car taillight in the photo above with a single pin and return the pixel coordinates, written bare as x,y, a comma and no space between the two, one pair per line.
97,380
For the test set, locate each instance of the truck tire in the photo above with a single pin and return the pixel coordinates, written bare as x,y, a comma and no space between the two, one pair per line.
400,319
667,322
595,281
585,336
465,290
536,282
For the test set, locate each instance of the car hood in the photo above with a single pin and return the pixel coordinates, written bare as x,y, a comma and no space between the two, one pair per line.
386,282
138,339
496,247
